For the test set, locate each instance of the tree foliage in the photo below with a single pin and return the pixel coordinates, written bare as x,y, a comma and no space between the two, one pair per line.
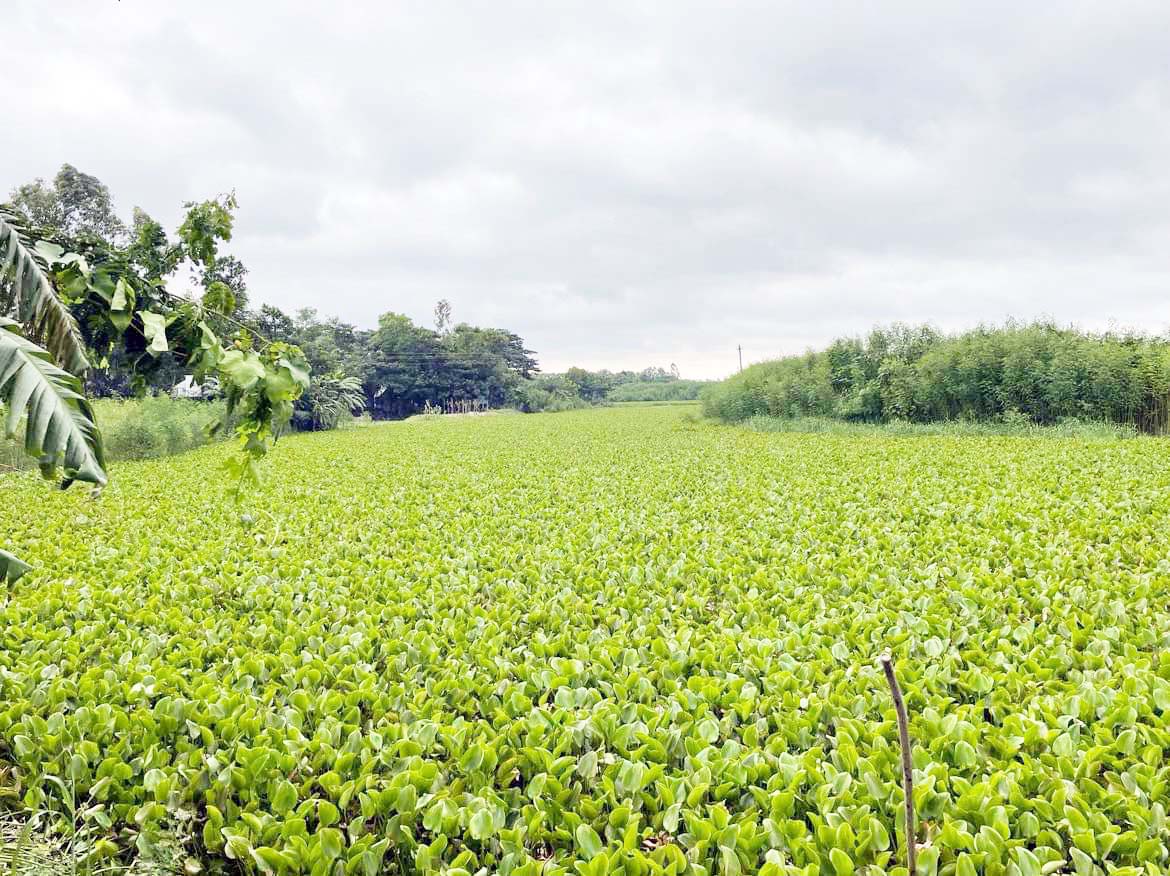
1039,372
69,297
75,204
400,366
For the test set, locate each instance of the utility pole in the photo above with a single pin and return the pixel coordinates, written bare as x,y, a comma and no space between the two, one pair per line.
740,348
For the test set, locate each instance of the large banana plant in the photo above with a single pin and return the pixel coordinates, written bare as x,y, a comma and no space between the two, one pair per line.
41,385
44,316
328,399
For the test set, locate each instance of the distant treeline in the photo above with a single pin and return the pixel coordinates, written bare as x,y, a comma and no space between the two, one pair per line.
1039,372
403,367
578,388
393,370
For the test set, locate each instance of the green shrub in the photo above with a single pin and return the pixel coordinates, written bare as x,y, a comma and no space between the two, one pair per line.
1037,373
138,428
657,390
548,394
154,426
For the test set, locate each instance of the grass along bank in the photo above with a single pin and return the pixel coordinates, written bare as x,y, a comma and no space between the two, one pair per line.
1019,427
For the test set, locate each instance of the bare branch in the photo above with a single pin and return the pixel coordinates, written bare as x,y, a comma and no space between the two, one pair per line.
907,764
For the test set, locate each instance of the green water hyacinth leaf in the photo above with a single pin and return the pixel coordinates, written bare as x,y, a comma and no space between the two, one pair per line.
1027,862
588,841
481,825
330,843
327,813
964,754
284,798
841,862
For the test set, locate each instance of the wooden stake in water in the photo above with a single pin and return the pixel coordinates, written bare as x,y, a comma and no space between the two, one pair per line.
907,764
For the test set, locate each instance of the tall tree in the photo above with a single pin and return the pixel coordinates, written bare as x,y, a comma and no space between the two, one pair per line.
227,274
75,204
404,367
443,316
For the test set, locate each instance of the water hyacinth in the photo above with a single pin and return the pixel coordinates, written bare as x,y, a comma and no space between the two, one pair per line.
603,641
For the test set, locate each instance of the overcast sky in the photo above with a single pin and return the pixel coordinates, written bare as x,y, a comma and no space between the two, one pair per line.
633,183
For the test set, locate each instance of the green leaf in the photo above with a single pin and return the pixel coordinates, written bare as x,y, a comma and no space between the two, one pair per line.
842,863
331,842
38,307
153,779
280,386
481,825
1083,863
59,423
50,252
965,755
270,860
242,369
588,841
327,813
122,305
299,371
708,730
1027,861
284,798
928,861
219,298
372,859
154,329
123,296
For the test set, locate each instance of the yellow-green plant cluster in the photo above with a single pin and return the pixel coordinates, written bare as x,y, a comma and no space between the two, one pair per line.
603,641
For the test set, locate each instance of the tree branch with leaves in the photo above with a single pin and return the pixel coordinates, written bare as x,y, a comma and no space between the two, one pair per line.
70,297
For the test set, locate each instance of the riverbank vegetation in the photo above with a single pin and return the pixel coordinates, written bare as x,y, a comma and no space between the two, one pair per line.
1040,373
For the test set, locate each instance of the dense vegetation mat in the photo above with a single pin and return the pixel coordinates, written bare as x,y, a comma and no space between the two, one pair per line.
607,641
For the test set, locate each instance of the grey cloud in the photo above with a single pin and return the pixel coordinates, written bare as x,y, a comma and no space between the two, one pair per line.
636,183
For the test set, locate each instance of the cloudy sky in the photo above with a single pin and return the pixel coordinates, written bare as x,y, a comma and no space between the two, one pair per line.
633,183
